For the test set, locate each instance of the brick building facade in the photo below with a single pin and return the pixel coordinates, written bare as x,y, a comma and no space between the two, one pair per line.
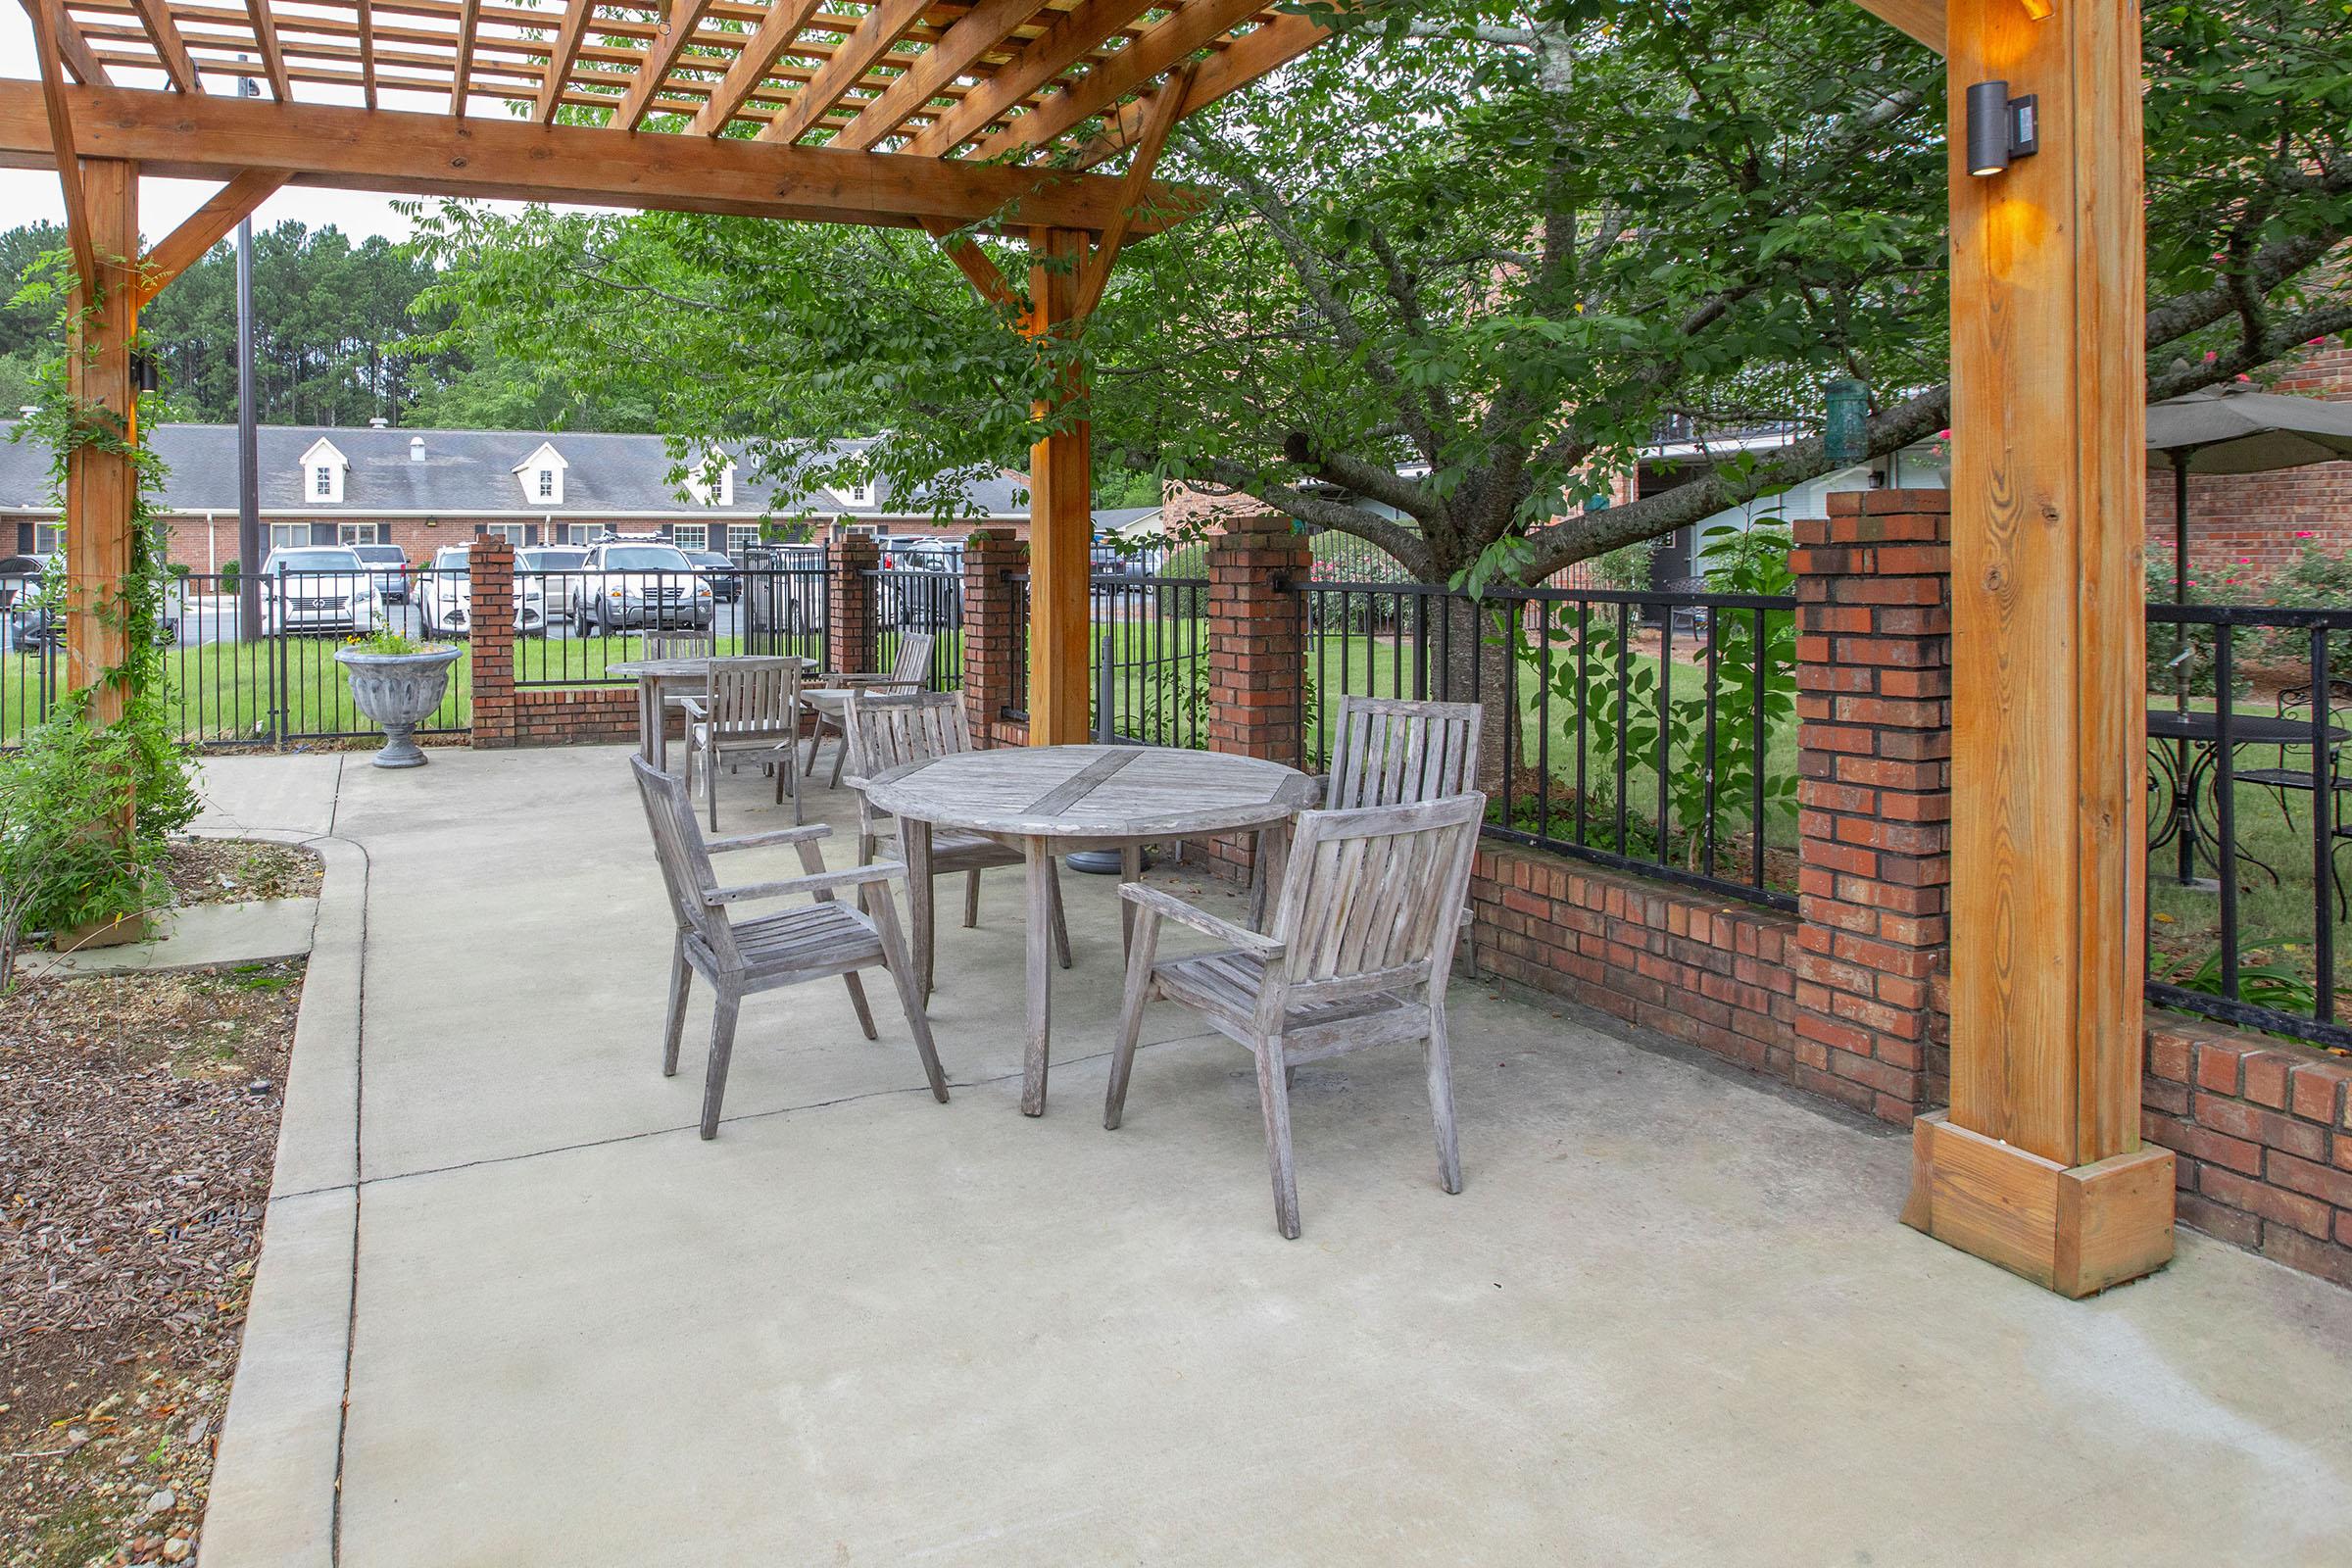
2252,525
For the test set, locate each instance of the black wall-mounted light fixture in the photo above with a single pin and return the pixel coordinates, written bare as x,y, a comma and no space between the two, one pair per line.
2000,127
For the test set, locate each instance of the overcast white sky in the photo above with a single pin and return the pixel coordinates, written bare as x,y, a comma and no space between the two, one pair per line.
32,195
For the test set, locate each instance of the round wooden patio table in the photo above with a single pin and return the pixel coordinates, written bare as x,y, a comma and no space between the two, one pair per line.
657,678
1050,800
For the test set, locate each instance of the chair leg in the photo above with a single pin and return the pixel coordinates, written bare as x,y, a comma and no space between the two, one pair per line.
1131,1018
901,975
710,786
1061,926
1439,1058
1274,1100
681,978
865,1014
971,899
722,1050
841,754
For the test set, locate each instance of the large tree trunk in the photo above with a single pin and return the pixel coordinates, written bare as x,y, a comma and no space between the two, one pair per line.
1470,662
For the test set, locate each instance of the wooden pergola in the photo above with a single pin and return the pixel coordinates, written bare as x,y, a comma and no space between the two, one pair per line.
957,115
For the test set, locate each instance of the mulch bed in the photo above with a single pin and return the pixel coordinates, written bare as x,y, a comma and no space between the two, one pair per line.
234,870
138,1122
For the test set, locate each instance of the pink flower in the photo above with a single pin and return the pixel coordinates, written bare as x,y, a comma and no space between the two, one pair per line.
2211,356
2305,534
2242,376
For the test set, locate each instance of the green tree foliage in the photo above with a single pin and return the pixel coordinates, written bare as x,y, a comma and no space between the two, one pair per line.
1471,256
339,340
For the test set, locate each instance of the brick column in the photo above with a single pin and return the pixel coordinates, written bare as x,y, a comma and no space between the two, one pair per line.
490,568
849,555
1874,698
991,630
1257,648
1256,654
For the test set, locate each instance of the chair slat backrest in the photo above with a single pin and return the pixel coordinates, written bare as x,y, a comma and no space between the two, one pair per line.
912,664
1393,752
889,729
754,698
1376,890
686,869
679,644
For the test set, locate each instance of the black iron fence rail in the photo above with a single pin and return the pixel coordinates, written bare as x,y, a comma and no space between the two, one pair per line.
2274,684
1604,759
573,626
910,600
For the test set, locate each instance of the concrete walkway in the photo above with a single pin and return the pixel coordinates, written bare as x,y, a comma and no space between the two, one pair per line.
1671,1319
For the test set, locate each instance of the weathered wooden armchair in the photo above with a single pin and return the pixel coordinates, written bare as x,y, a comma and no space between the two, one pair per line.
1361,946
1389,751
741,958
888,730
909,672
753,708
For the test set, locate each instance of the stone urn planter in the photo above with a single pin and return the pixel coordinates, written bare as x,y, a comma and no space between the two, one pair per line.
398,691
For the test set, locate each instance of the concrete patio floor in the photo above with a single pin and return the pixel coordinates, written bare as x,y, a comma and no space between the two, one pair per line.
1671,1318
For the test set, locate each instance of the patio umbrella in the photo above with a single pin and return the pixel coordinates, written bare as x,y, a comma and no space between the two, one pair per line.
2229,432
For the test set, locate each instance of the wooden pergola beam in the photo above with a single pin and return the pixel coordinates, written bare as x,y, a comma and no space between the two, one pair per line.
461,73
684,17
985,27
1231,68
206,136
264,43
155,16
57,119
1159,118
365,13
1922,19
975,264
1161,48
561,56
1060,47
753,62
876,32
204,228
1060,517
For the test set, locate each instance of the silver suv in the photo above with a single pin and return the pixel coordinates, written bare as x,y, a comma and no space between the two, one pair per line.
632,582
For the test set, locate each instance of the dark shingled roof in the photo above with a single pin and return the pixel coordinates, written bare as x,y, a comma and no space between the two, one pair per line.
463,474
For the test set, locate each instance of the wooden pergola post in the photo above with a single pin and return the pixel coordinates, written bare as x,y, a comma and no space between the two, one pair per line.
1060,517
100,485
2037,1166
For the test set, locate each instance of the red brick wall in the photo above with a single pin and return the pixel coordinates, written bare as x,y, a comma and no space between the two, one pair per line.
2248,525
992,634
1709,971
2263,1136
1256,654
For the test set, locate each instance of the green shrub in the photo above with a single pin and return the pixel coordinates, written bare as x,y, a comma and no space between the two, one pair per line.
60,865
1626,568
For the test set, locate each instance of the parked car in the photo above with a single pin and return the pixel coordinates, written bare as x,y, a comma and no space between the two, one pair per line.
389,564
922,584
445,597
317,588
547,569
637,582
719,572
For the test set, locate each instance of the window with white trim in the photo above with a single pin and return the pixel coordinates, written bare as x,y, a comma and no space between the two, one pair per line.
860,494
510,532
289,536
323,481
546,485
363,533
48,538
581,533
690,536
742,536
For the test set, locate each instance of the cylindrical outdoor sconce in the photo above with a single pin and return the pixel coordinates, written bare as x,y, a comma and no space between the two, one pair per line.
1999,127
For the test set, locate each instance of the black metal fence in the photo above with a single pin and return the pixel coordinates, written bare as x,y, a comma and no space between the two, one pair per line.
920,600
573,626
1649,732
223,687
1147,657
2249,711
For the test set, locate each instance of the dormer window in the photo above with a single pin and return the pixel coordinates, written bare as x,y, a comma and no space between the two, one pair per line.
858,494
701,486
322,471
541,476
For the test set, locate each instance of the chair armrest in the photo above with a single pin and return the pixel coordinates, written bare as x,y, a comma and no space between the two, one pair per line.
1169,907
1321,784
691,704
781,835
865,682
849,876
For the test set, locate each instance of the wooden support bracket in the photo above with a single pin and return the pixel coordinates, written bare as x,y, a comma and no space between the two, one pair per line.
204,228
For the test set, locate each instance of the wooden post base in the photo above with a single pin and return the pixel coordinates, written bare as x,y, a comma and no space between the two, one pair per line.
2076,1231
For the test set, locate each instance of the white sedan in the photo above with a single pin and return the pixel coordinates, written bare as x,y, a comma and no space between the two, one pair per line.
319,589
445,597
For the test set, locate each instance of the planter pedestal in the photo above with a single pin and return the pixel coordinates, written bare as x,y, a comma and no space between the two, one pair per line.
398,691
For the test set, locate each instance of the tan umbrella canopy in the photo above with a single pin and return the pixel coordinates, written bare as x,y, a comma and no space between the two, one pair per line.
2233,432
